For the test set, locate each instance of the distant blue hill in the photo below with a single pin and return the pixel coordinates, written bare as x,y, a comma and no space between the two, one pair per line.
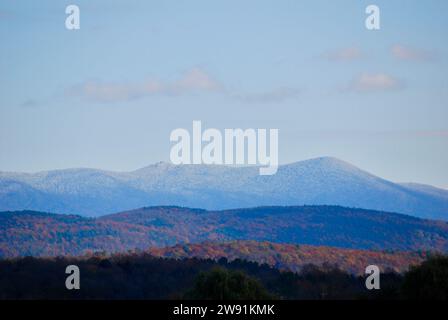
320,181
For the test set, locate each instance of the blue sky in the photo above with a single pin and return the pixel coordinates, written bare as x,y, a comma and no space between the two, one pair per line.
108,95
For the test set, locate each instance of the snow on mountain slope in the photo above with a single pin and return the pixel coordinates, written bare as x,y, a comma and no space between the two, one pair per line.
430,190
315,182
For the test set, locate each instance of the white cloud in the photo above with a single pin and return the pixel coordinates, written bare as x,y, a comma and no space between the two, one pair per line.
402,52
195,80
375,82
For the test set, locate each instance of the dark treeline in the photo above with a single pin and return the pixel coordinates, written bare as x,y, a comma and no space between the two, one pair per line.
142,276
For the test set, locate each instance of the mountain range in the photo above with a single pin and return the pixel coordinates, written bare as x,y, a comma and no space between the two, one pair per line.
320,181
34,233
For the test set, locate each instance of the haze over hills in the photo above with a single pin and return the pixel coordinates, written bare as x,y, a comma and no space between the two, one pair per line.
320,181
45,234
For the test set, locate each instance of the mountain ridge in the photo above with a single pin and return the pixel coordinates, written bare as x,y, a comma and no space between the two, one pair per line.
48,234
318,181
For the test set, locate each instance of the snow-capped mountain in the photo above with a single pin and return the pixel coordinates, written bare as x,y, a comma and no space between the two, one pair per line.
312,182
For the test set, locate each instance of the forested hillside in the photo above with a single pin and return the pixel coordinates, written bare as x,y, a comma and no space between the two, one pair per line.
293,257
45,234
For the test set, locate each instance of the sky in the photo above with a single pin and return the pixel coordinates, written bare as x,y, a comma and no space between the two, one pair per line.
109,94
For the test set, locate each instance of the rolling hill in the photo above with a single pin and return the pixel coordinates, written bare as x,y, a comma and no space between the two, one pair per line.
44,234
321,181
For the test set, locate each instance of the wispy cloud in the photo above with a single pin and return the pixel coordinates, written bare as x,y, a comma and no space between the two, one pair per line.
375,82
406,53
344,54
195,80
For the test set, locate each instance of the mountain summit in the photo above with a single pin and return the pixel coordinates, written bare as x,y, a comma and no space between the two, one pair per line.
320,181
